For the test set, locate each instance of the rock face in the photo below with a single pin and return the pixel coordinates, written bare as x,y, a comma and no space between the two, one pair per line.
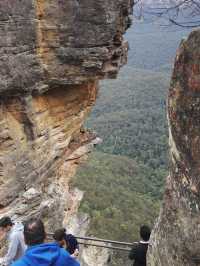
52,54
176,238
40,141
45,44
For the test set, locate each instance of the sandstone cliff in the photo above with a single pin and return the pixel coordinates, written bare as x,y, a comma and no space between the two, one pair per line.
52,54
176,238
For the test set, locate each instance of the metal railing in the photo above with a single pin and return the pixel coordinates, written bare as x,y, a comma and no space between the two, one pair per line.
103,243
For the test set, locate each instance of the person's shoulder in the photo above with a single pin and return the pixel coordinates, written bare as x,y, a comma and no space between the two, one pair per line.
136,245
64,253
19,262
71,239
142,247
143,244
70,236
133,252
17,231
14,236
68,259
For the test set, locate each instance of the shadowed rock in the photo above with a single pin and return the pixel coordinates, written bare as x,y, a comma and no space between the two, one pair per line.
176,238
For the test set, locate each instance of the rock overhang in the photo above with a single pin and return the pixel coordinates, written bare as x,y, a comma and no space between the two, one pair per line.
50,43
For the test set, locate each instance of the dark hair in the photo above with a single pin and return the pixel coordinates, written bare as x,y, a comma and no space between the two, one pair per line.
145,232
5,221
34,232
59,234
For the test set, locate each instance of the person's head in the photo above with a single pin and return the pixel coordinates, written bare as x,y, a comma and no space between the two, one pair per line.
5,224
145,232
59,236
34,232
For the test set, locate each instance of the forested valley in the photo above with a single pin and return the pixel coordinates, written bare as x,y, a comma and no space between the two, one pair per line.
124,178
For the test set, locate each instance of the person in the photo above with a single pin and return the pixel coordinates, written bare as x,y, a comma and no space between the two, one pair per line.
15,236
67,241
41,253
139,251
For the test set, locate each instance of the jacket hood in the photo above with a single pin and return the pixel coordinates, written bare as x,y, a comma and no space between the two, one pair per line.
44,254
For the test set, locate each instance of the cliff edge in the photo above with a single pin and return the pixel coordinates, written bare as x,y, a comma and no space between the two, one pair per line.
52,55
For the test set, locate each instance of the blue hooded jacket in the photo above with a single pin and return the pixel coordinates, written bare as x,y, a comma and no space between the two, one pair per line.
48,254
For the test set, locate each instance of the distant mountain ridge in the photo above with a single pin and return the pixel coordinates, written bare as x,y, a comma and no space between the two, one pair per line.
147,6
160,3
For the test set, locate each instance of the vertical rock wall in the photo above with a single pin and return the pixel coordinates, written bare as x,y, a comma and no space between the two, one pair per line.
52,54
176,238
38,137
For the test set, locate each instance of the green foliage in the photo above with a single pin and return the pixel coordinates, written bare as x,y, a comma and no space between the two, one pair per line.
130,116
124,180
117,196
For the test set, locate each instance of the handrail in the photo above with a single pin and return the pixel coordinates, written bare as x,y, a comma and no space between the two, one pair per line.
106,241
94,239
104,246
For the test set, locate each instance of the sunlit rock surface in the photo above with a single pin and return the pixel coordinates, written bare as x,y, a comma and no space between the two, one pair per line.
52,54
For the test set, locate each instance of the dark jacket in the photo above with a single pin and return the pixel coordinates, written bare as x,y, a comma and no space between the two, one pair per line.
71,243
48,254
138,253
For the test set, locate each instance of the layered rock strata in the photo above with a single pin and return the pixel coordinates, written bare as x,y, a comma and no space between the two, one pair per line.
52,54
40,142
176,238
